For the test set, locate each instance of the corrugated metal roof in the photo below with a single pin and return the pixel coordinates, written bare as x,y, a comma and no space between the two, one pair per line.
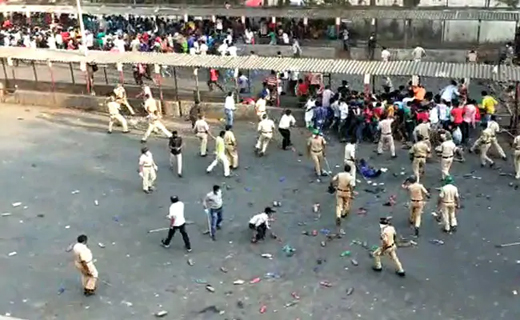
352,13
352,67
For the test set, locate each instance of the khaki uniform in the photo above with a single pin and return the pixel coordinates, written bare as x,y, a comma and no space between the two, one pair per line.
154,121
417,194
420,151
386,140
83,260
449,193
201,129
423,129
516,156
483,143
113,110
316,147
343,183
350,159
231,148
121,98
265,128
495,129
388,247
148,170
260,107
447,149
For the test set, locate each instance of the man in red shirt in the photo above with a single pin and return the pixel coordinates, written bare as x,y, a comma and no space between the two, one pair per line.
457,113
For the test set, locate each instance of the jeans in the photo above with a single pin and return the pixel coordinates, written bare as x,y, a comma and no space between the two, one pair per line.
229,117
215,220
184,234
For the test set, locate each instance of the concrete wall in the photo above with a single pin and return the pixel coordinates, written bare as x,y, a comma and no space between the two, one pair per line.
171,109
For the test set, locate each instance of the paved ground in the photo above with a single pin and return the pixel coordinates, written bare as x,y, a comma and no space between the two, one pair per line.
47,155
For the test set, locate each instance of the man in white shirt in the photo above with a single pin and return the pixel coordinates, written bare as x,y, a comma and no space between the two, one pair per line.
450,92
343,114
326,96
222,49
285,123
229,109
213,207
418,53
385,55
203,48
260,224
232,50
350,158
297,50
119,43
177,222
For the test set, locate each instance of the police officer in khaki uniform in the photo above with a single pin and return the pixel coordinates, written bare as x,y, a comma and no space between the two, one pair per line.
423,129
316,150
495,129
484,143
350,158
516,156
447,150
418,154
386,141
121,97
201,129
154,117
113,110
265,128
231,147
417,194
342,183
449,200
147,170
388,247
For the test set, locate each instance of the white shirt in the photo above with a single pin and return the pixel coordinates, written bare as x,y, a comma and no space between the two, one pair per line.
177,213
203,49
213,201
285,38
418,53
448,93
222,49
385,55
249,36
229,104
147,91
335,108
350,152
286,121
243,82
266,126
120,45
89,40
327,94
434,115
59,39
146,160
343,111
232,51
443,112
259,219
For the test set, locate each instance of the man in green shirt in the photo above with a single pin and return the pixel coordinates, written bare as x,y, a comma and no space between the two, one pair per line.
220,155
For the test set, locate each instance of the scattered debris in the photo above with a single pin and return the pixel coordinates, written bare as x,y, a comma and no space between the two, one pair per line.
515,292
240,304
127,303
101,245
61,290
263,309
437,242
323,244
325,284
345,253
75,192
316,207
238,282
14,253
291,304
7,214
40,215
272,275
277,204
267,255
314,233
190,262
96,203
69,248
223,270
161,314
210,309
67,227
288,250
156,230
354,262
210,288
350,291
16,204
255,280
